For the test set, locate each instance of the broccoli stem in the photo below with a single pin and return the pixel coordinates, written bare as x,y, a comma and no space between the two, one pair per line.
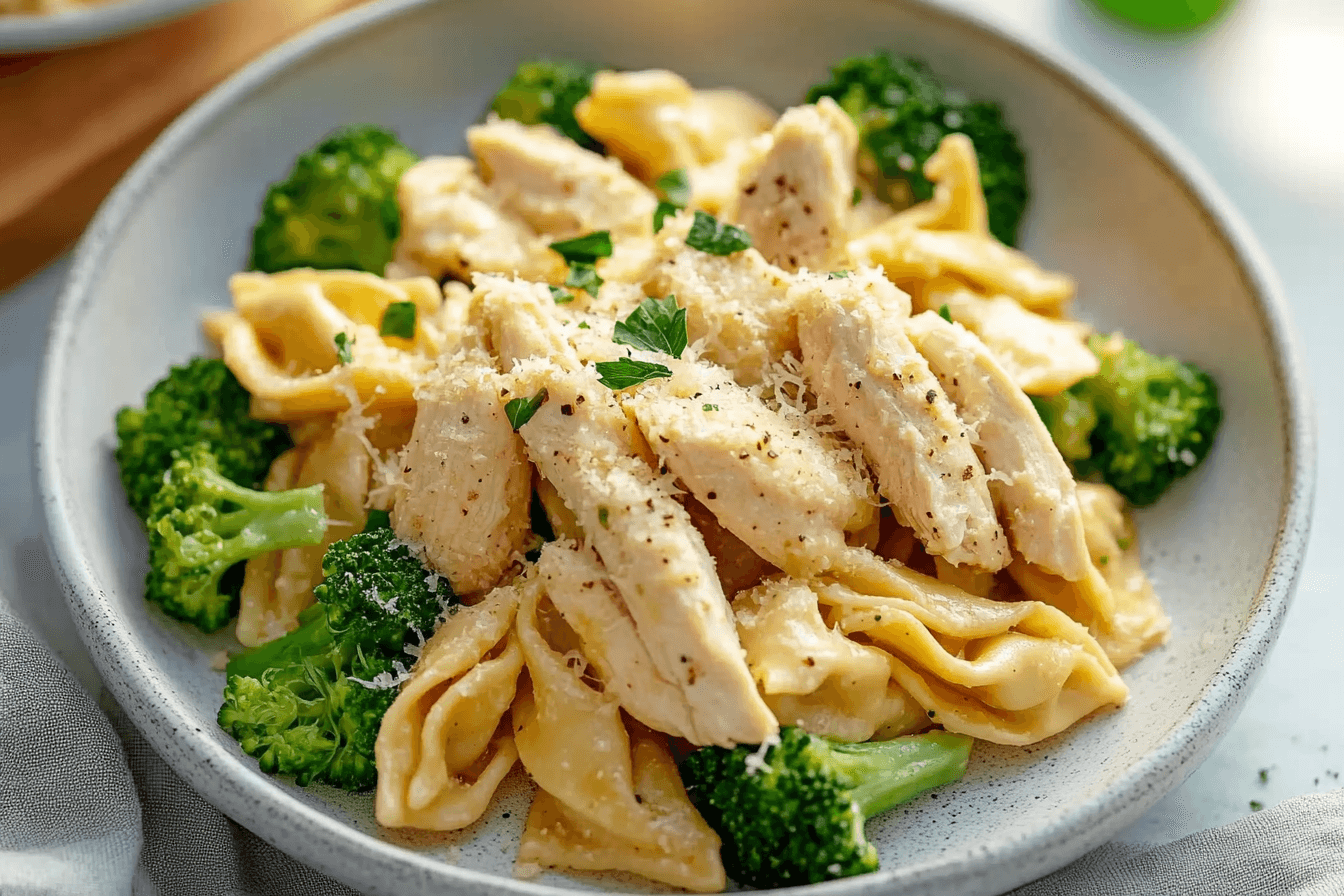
889,773
313,637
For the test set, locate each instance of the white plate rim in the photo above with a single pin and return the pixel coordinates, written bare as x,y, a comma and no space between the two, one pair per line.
301,830
27,33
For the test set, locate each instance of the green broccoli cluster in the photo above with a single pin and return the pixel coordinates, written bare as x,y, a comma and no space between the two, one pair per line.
903,112
1140,423
190,460
309,704
545,91
337,210
200,401
795,814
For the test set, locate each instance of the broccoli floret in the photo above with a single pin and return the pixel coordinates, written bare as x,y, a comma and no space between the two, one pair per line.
310,704
545,91
796,815
903,112
200,524
1141,422
338,207
199,401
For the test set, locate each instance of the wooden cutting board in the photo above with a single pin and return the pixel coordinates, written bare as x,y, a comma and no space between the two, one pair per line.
71,122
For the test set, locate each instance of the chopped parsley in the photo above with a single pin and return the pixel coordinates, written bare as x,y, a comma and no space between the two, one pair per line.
583,275
1256,805
675,187
627,372
561,297
398,320
1264,776
520,410
708,234
1103,559
710,407
343,343
602,518
1124,543
662,212
945,313
674,192
583,325
586,249
857,197
838,275
657,325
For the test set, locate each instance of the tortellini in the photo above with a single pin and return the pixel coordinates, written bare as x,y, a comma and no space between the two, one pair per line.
280,341
445,745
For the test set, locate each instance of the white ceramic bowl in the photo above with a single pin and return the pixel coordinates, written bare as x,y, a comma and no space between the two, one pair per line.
1115,203
84,25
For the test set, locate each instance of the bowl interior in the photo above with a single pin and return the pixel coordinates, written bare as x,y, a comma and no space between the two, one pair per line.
1106,208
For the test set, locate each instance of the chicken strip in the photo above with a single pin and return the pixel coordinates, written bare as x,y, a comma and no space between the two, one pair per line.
559,188
795,199
579,587
738,304
466,488
582,442
769,477
867,374
1031,484
451,225
1043,355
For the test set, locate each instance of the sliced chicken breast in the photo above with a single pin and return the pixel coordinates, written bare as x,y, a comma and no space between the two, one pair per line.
1031,484
868,375
466,487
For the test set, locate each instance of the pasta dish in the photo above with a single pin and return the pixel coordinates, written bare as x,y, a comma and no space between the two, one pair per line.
693,438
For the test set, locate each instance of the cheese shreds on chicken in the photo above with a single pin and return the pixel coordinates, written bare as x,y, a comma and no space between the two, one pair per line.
868,375
795,199
1031,484
452,225
579,587
559,188
768,476
655,122
584,444
738,304
1043,355
466,487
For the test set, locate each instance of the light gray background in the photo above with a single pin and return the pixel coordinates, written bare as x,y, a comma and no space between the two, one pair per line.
1256,98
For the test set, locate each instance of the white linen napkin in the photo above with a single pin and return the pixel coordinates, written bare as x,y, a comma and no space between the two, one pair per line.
88,807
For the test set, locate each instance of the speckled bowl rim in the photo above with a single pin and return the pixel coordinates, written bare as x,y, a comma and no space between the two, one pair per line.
54,31
364,861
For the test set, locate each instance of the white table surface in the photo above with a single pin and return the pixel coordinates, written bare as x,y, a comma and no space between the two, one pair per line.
1257,98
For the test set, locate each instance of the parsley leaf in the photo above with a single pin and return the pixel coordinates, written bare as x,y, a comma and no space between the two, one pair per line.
708,234
398,320
561,297
675,187
945,313
838,275
627,372
709,407
664,211
343,343
520,410
584,276
586,249
857,197
583,325
657,325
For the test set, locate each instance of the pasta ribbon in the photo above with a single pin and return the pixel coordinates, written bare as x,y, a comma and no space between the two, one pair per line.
1005,672
443,749
1136,622
607,803
813,676
280,341
949,235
